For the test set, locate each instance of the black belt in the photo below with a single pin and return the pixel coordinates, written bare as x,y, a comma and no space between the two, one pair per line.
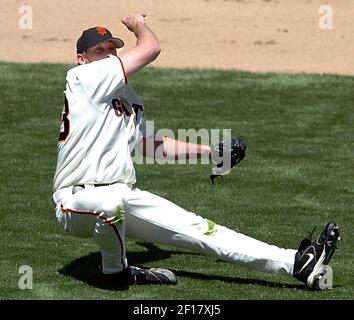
78,187
95,184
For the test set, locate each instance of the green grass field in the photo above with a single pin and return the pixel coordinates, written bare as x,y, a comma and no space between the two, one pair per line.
298,173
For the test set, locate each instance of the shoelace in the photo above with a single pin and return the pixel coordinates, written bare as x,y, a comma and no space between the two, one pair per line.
310,233
307,240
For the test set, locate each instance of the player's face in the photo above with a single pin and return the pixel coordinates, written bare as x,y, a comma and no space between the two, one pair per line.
98,52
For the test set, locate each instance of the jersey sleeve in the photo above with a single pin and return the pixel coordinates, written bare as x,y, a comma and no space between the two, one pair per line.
100,79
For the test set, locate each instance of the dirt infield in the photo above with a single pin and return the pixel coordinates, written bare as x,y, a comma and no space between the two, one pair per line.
254,35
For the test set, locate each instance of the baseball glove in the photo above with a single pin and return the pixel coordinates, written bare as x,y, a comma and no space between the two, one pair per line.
226,155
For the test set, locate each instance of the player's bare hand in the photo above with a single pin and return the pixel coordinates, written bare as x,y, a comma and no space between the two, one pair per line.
133,20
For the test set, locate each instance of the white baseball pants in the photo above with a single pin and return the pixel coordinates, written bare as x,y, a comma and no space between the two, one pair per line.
109,213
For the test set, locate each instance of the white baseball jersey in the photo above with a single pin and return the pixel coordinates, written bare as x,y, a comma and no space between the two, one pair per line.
101,124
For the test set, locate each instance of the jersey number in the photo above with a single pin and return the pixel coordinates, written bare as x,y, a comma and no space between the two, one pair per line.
65,123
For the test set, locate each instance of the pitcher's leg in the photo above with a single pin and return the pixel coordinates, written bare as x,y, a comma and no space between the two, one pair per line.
98,212
154,219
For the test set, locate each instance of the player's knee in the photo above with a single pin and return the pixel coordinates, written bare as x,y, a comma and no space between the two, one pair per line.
114,208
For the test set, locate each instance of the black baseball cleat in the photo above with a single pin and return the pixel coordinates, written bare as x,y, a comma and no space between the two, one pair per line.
313,255
141,276
151,276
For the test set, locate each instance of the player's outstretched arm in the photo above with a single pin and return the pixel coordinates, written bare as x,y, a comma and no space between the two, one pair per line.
169,148
147,47
175,149
225,154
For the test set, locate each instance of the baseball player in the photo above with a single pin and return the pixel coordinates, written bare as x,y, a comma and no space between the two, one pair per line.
94,192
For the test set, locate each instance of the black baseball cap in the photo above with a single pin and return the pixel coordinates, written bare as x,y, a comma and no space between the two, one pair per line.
95,35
